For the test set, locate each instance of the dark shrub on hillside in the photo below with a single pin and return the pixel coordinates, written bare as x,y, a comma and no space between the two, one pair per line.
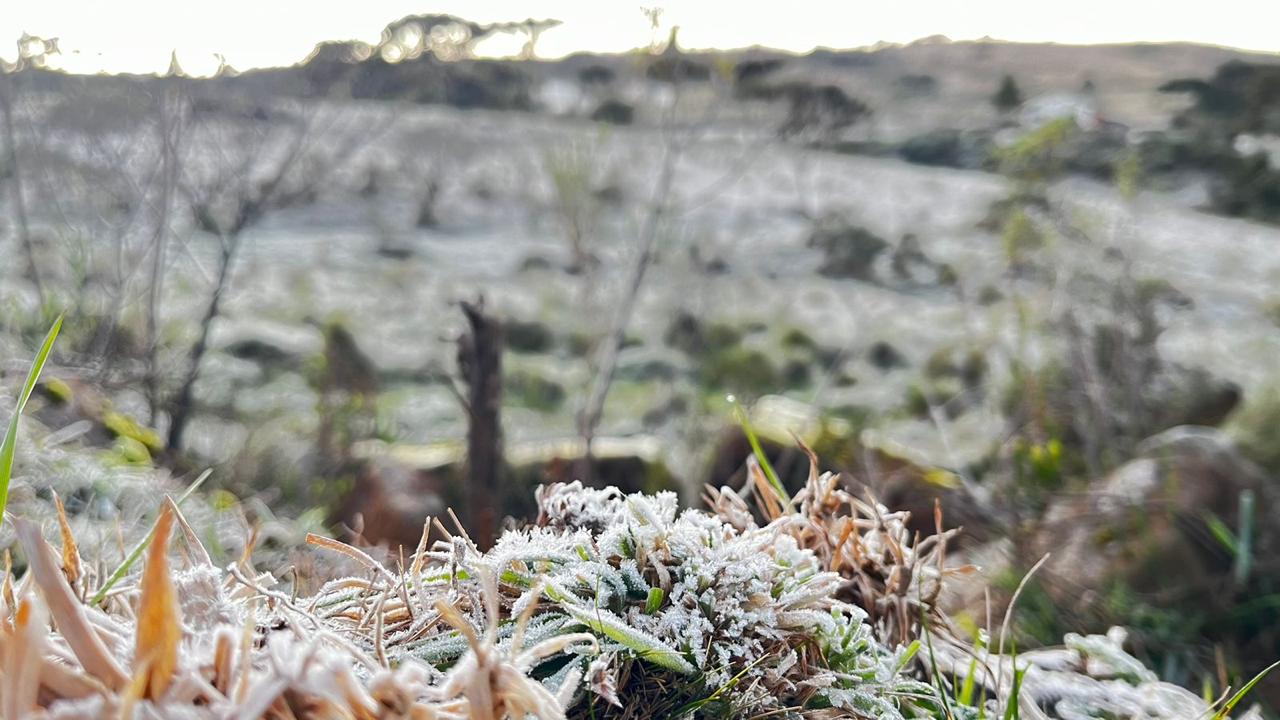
377,79
614,112
846,58
937,147
1240,97
477,84
596,75
1096,153
917,85
674,68
885,356
1008,97
749,74
533,391
689,334
849,251
528,337
821,110
1248,187
491,85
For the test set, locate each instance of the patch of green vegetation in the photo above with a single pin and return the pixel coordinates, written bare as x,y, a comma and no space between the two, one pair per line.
579,344
797,339
944,393
692,336
647,371
845,379
969,367
1036,156
123,426
744,371
1256,428
1020,237
1038,468
1127,174
129,451
58,391
530,390
801,344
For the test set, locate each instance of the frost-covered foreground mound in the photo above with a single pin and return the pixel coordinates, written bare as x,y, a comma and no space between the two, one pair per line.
610,606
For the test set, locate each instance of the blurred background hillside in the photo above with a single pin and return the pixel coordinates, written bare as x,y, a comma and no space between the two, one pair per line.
1034,282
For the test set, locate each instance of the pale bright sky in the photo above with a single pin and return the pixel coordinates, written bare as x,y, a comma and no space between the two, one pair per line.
137,35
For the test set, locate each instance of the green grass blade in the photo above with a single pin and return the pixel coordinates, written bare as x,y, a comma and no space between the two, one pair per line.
1011,710
653,650
1222,533
741,416
9,446
907,656
1244,541
933,666
654,601
1235,699
689,709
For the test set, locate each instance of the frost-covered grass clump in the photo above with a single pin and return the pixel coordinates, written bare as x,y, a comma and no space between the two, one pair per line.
744,620
609,606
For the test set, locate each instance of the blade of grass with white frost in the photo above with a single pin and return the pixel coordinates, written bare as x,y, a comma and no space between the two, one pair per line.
11,435
136,553
613,627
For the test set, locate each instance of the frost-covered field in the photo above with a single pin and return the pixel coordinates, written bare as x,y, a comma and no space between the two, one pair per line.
732,249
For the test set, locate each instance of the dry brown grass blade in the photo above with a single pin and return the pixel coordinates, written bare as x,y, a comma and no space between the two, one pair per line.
6,590
354,553
462,529
129,698
770,503
188,534
70,552
159,620
68,613
22,660
420,554
245,672
65,682
360,705
223,661
813,460
837,551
